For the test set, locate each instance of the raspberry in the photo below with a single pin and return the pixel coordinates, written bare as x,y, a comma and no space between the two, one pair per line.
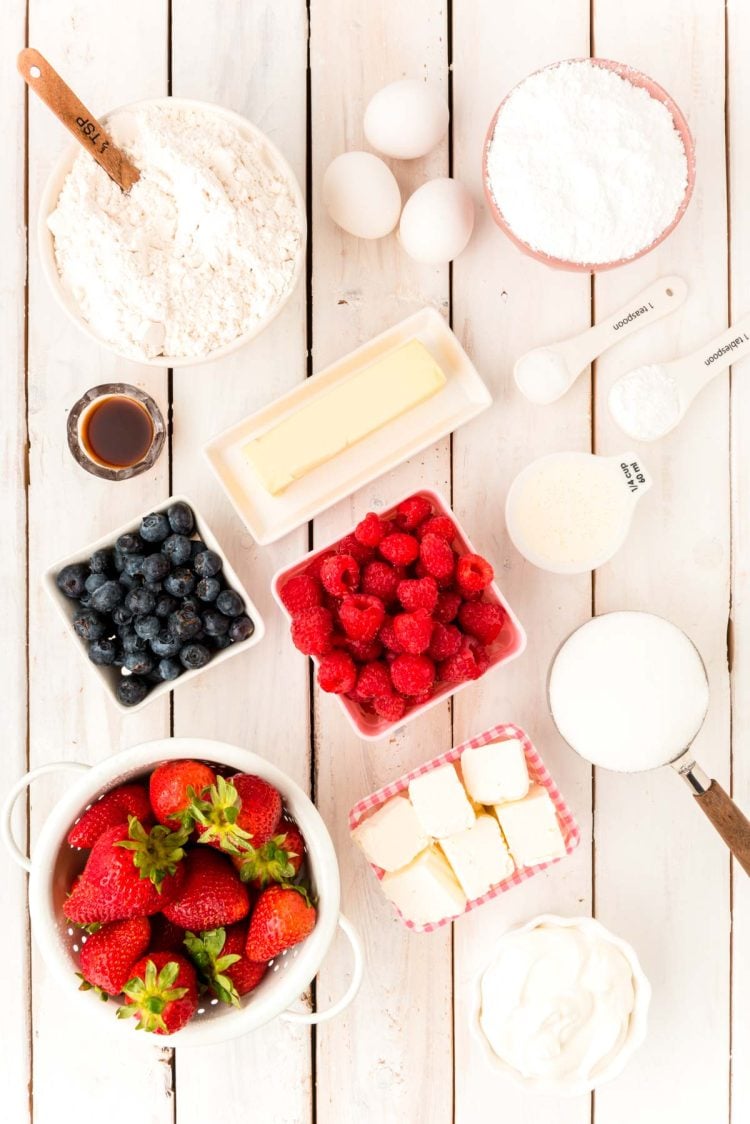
459,668
481,656
448,604
391,707
481,619
399,549
299,593
421,699
381,580
387,636
311,631
370,530
374,681
340,574
337,673
411,675
363,651
473,573
445,641
418,593
361,616
438,525
413,631
410,513
351,545
314,567
436,556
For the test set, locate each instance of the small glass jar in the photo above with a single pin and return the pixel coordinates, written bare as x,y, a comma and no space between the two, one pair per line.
130,431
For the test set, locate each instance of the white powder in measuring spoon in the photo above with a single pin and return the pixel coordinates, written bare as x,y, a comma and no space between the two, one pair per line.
584,165
645,403
542,375
199,252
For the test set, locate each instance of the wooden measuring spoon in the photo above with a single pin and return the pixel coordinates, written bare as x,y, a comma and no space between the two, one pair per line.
546,373
47,83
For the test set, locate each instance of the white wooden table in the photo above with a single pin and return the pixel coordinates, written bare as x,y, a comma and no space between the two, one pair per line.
648,866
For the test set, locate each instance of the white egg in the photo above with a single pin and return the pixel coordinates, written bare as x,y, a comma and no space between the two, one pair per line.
361,195
406,119
437,221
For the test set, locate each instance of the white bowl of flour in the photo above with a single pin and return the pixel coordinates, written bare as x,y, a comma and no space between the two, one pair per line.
197,258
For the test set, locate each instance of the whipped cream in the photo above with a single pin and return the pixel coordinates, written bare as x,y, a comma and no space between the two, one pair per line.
556,1002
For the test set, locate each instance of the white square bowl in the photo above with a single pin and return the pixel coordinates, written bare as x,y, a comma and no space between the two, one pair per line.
109,676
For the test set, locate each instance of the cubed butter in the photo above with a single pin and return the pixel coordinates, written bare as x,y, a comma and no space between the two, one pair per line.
440,802
531,829
496,772
426,890
361,403
478,856
392,836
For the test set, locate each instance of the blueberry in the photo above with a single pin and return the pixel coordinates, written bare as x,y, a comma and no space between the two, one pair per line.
140,601
218,643
131,690
102,652
193,656
165,605
121,615
207,563
140,663
230,603
132,642
119,659
154,527
133,564
72,580
147,627
107,597
193,604
208,589
100,561
180,518
154,588
184,624
180,582
197,546
89,625
155,568
165,644
93,581
177,549
118,561
215,623
130,581
168,669
241,628
129,544
84,600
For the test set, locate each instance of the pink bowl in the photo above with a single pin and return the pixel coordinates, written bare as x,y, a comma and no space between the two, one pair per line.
656,91
510,643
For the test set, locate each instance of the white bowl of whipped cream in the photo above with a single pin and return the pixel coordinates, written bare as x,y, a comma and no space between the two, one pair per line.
562,1005
197,258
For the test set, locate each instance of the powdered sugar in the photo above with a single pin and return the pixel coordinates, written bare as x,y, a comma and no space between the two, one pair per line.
584,165
201,250
645,403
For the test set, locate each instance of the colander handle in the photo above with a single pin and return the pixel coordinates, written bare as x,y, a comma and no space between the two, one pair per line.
6,815
307,1018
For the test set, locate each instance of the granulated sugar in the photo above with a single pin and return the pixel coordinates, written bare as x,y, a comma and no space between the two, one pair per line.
584,165
200,251
645,403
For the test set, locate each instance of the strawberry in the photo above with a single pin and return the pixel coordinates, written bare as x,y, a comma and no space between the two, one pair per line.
109,954
234,813
112,809
211,895
277,860
165,936
162,992
283,916
129,873
219,956
173,787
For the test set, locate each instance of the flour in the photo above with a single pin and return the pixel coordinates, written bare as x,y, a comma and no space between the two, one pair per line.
585,166
645,403
200,251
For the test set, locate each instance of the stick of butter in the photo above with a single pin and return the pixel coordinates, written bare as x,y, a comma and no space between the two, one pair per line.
426,890
531,829
392,836
478,856
346,413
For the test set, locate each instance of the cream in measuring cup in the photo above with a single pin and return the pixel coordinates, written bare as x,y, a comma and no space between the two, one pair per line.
570,512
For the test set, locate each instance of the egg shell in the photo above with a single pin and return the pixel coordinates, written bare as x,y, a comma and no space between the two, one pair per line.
406,119
361,195
437,221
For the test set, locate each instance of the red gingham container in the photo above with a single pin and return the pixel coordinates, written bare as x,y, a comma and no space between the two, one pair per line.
539,775
509,644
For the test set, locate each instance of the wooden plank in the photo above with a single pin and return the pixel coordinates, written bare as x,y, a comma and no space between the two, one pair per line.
504,304
249,57
389,1057
661,874
110,56
15,1063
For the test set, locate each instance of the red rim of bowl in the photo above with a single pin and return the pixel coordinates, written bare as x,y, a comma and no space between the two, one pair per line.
636,78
